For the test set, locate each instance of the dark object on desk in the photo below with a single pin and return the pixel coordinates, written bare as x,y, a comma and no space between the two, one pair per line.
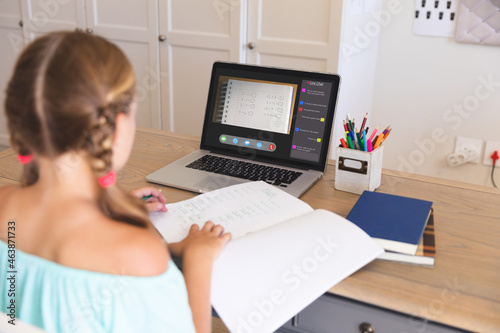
426,252
395,222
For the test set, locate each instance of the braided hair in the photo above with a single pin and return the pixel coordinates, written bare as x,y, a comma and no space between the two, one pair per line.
64,95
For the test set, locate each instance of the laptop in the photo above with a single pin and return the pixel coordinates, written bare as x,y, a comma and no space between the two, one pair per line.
261,123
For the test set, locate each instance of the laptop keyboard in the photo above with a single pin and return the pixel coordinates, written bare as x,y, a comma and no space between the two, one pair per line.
245,170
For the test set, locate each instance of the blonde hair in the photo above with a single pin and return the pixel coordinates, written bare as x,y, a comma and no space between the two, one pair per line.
65,93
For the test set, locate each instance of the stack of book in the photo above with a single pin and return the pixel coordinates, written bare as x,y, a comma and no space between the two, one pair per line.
403,226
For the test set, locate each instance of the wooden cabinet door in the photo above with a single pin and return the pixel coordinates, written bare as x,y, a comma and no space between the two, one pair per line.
12,40
198,33
133,26
294,34
40,17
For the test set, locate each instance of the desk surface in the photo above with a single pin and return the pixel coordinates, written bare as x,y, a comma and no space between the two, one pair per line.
461,290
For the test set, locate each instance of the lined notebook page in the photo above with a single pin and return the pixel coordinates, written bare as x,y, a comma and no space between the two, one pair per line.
240,209
262,280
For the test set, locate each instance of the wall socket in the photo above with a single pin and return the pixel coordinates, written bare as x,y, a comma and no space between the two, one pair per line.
489,149
463,142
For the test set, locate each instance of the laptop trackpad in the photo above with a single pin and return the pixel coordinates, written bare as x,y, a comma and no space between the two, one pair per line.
211,183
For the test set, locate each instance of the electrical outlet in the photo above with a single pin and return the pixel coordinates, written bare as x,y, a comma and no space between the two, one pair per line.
490,148
463,142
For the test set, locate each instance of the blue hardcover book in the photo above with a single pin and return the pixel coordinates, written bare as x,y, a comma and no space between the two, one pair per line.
395,222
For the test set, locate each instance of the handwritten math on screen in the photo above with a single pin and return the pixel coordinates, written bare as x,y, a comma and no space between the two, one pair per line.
257,104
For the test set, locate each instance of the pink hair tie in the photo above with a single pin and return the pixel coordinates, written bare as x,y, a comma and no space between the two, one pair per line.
108,180
25,159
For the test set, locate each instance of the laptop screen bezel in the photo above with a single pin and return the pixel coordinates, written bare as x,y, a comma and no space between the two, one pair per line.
266,71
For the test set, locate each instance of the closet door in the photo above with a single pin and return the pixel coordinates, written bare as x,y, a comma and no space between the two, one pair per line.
294,33
133,26
40,17
197,33
12,40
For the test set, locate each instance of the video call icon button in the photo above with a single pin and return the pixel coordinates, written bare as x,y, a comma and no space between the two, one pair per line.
247,142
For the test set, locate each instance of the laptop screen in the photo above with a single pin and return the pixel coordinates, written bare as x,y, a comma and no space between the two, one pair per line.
270,115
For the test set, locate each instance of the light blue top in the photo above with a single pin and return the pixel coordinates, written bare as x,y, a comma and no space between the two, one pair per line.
58,298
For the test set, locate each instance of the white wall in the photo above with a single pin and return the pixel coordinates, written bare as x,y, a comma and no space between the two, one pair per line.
357,64
430,90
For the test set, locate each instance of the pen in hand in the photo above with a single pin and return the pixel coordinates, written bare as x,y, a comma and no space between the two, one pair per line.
153,198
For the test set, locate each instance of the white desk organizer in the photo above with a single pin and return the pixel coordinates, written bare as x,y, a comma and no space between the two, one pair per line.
357,171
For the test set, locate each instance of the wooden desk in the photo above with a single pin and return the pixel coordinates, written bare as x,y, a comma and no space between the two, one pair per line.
462,289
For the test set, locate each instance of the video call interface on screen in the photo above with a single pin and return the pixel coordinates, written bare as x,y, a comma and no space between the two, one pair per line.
278,118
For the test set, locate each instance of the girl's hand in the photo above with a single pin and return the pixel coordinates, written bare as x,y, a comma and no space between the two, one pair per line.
199,250
154,199
207,242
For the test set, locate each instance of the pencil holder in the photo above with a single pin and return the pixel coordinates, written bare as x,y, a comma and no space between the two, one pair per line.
357,171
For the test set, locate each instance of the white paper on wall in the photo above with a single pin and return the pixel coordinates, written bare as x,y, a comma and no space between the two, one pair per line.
435,17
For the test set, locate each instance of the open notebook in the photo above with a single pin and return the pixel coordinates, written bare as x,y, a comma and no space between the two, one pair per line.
283,254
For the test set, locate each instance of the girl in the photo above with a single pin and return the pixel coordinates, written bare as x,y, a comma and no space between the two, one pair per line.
88,259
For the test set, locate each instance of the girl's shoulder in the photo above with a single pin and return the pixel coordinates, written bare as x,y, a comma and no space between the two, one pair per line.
6,191
6,195
114,247
79,235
